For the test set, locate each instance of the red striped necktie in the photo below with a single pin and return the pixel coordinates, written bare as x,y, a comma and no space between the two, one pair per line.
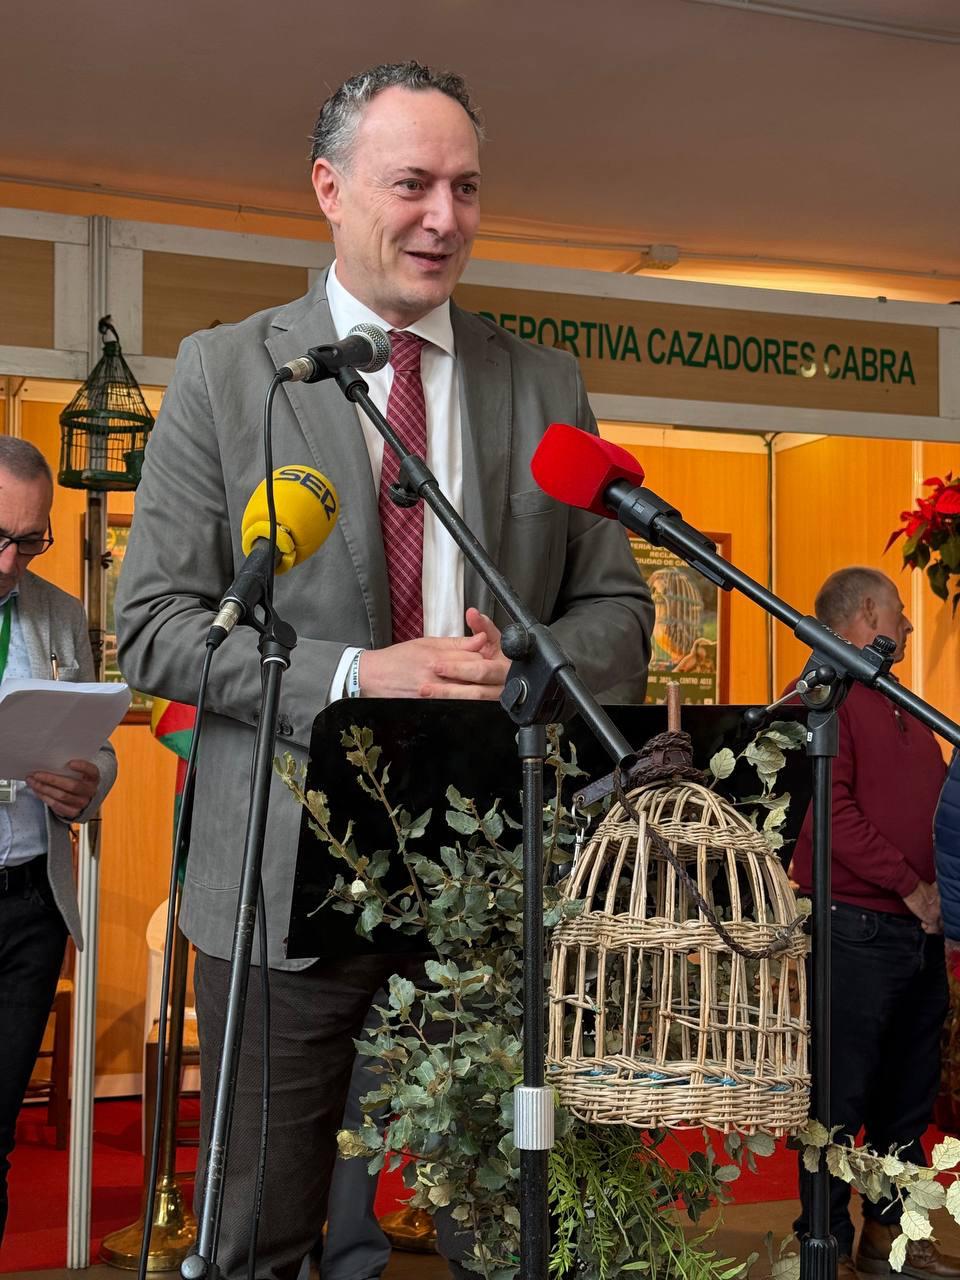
403,526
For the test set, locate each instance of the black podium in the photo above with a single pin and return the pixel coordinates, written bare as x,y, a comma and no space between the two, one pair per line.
471,745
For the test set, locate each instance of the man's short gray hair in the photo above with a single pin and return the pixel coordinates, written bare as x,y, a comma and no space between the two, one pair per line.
336,127
22,459
841,597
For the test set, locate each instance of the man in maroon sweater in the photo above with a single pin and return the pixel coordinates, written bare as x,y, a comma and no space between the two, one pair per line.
889,986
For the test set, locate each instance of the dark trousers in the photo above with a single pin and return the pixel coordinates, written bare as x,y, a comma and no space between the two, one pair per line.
888,1003
32,940
315,1016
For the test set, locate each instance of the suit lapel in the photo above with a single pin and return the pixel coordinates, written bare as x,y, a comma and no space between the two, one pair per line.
332,430
486,427
35,626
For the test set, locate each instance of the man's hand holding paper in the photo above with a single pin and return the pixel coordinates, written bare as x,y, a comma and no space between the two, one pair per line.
67,795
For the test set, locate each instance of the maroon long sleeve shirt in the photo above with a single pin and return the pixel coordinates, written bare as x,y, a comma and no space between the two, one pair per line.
886,783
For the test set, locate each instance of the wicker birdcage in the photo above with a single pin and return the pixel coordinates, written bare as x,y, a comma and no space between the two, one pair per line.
658,1015
104,428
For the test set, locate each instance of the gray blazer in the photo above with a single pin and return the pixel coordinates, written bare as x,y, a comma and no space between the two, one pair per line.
204,459
54,622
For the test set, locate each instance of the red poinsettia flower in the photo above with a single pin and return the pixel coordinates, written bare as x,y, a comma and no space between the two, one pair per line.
931,531
948,501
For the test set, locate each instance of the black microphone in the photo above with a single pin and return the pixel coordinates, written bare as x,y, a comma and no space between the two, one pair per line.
365,348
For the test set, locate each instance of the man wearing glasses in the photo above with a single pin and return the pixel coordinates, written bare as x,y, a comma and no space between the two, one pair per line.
43,634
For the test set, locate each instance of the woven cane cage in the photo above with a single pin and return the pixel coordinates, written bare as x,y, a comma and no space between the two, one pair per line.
654,1019
104,428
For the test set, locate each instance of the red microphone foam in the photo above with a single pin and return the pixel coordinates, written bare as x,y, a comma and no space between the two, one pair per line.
576,467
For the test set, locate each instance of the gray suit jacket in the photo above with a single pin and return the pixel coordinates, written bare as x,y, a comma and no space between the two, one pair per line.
54,622
205,458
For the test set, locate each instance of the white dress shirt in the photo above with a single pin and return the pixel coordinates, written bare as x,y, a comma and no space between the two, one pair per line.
443,606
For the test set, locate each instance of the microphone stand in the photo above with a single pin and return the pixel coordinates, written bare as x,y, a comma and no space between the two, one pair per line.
540,680
829,673
277,639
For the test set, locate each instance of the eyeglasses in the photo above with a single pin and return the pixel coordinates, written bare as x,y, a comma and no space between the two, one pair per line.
30,544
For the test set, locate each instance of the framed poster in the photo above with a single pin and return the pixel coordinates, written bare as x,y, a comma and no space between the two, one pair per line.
118,531
689,643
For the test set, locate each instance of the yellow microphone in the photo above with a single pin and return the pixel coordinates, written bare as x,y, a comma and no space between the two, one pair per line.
306,507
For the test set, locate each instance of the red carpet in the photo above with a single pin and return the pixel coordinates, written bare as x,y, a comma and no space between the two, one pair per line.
36,1235
36,1228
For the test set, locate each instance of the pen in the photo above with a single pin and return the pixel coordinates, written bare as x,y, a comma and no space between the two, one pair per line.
54,666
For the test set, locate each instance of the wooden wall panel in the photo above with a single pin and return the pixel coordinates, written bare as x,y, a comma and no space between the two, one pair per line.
138,815
183,293
940,629
26,292
135,872
725,493
836,501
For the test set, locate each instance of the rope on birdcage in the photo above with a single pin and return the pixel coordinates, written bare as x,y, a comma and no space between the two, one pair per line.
662,759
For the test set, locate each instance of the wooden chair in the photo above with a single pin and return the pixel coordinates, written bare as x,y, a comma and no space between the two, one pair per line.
53,1083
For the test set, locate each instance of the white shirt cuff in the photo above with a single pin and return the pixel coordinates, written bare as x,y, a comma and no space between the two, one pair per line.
338,685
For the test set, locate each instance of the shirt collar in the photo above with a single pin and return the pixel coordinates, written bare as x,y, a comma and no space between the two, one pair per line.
11,595
346,311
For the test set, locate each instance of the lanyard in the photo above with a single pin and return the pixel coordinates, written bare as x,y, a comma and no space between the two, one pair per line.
5,636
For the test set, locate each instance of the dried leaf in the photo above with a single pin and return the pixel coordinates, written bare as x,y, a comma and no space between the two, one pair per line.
898,1253
946,1154
915,1224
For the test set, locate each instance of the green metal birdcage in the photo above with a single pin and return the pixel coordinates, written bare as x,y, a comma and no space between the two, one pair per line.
104,428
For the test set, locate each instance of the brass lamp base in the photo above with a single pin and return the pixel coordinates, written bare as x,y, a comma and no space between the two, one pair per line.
172,1234
410,1229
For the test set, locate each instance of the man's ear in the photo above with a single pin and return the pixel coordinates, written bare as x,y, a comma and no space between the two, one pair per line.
869,611
326,185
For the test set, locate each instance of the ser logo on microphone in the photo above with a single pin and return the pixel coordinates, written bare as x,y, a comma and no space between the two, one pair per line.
314,483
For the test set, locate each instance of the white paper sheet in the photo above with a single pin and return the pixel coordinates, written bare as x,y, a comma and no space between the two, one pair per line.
46,723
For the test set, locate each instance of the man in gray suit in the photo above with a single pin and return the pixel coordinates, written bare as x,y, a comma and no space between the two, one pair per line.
396,173
43,633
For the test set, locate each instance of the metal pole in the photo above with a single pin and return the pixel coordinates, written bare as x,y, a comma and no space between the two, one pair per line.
85,978
533,1101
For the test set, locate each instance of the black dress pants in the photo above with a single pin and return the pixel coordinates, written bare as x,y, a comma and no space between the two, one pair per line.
315,1015
32,940
888,1003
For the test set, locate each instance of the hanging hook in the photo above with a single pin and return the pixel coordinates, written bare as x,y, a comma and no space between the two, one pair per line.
103,325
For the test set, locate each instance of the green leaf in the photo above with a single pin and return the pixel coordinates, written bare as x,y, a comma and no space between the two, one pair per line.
419,825
450,858
786,1267
465,823
457,800
761,1144
813,1134
402,994
811,1158
727,1173
371,915
950,552
939,576
911,544
723,763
